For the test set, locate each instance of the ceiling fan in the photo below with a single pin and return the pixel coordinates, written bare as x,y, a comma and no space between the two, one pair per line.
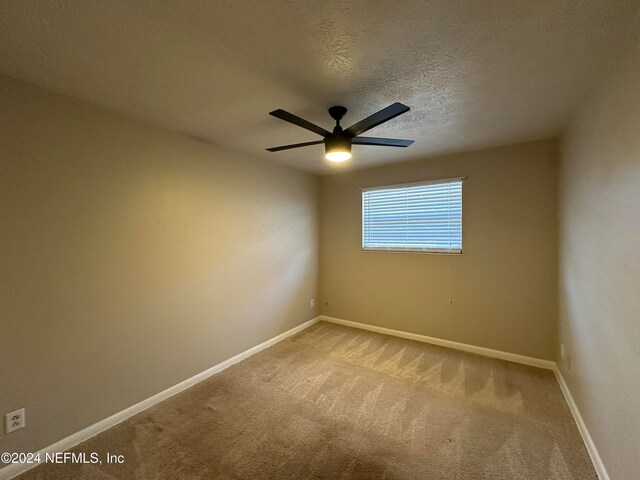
337,144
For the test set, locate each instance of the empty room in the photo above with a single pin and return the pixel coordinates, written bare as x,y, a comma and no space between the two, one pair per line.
300,239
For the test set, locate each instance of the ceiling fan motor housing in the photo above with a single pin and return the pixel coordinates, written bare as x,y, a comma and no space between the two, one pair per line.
337,141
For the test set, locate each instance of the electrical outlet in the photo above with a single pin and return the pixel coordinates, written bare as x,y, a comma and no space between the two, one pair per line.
312,302
14,421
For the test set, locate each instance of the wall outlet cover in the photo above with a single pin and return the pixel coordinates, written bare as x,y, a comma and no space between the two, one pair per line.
14,421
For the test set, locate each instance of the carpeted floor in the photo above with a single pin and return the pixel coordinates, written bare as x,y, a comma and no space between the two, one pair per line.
338,403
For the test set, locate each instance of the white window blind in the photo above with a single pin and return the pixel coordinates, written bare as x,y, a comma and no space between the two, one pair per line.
418,217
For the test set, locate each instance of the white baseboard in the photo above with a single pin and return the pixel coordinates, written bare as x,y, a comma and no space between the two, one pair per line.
487,352
582,427
15,469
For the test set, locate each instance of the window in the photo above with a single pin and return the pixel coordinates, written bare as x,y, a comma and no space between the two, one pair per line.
417,217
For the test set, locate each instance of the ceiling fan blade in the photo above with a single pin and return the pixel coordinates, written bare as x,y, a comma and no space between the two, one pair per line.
382,142
295,145
377,118
301,122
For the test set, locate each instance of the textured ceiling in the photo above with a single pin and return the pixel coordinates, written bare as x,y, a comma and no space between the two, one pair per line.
475,73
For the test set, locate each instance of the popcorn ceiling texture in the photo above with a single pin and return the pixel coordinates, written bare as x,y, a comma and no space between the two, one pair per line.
475,73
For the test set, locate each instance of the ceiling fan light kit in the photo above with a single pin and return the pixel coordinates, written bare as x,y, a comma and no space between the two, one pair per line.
338,143
337,149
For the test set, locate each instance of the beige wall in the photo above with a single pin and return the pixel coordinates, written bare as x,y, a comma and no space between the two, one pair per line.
504,284
132,258
600,262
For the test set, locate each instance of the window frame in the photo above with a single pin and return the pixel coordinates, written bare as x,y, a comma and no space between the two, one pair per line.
426,251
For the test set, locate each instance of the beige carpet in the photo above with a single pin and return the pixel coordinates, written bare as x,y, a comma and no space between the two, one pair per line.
340,403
